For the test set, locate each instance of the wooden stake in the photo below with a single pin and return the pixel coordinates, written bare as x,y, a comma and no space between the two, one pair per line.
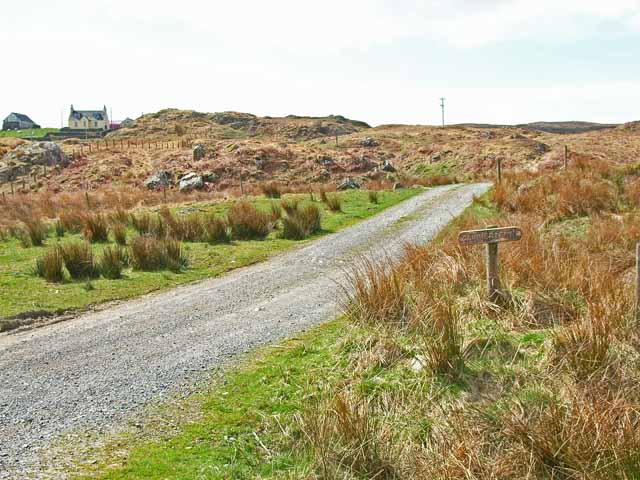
241,185
493,270
12,192
499,170
86,197
164,192
566,157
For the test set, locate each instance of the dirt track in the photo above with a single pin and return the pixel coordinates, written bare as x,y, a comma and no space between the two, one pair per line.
102,367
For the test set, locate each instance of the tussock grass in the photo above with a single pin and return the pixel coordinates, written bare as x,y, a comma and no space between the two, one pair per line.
112,262
215,230
150,254
333,202
35,231
119,231
271,190
79,260
50,265
96,228
301,221
373,196
248,223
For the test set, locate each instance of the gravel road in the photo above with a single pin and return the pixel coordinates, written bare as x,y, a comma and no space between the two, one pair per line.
101,368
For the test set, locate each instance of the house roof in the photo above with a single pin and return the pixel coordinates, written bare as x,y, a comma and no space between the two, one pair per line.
20,117
95,114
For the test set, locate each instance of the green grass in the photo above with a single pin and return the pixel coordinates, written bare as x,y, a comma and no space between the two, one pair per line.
236,427
36,133
23,292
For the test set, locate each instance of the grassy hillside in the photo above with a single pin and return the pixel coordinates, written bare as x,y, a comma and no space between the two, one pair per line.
35,133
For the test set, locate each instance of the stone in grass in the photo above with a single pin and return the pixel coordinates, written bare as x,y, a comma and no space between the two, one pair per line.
158,179
387,166
191,181
348,184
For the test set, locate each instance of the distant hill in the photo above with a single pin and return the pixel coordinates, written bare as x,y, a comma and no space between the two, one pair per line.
551,127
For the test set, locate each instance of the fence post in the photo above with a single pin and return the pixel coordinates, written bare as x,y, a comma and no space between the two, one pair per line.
499,170
12,192
566,157
493,269
241,185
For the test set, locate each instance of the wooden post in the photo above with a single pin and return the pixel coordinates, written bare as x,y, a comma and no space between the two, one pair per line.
499,165
4,198
493,269
566,157
164,192
86,197
637,280
241,185
12,192
336,139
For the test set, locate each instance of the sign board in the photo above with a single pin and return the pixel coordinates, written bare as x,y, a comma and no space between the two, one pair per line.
490,235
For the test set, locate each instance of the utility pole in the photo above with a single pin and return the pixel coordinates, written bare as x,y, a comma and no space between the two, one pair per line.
442,106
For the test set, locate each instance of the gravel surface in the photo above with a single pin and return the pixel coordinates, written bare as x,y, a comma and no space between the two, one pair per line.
101,368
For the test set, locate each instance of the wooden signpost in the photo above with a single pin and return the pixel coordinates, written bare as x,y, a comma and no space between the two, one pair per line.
491,236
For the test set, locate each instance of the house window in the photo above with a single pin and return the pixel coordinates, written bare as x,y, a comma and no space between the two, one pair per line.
75,124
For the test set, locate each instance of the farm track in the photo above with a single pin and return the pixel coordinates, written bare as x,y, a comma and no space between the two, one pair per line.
96,371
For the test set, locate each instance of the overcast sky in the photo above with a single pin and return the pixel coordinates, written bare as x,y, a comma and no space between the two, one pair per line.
381,61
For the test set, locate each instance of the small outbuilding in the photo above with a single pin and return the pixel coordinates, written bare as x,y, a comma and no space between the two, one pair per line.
18,121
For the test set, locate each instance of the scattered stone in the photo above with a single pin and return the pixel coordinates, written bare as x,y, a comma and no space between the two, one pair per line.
198,152
325,160
37,153
541,148
158,179
368,142
348,184
324,173
260,163
436,158
209,177
387,166
191,181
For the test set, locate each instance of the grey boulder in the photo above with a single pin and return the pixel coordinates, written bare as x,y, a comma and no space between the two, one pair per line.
158,179
191,181
348,184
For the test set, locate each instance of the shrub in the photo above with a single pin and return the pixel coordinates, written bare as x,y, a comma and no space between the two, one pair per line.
35,231
50,266
78,258
216,230
271,190
119,231
187,228
276,212
112,262
151,254
373,196
333,202
96,228
247,222
142,222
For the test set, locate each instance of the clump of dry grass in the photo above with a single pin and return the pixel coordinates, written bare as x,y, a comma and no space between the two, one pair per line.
373,196
112,262
79,261
50,266
152,254
247,222
301,222
333,202
271,190
350,437
96,228
35,231
119,231
215,230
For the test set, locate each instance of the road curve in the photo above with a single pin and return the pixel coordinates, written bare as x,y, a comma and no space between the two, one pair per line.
102,367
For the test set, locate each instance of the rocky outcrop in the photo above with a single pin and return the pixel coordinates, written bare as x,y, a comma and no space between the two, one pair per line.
37,153
198,152
348,184
387,166
368,142
191,181
158,179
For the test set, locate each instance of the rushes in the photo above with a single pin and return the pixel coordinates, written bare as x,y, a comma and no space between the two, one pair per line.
216,230
50,266
112,262
151,254
271,190
78,258
301,221
35,231
96,228
333,202
247,222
